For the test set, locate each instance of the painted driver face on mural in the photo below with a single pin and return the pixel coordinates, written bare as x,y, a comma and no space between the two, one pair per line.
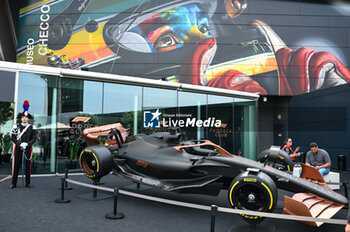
171,29
198,42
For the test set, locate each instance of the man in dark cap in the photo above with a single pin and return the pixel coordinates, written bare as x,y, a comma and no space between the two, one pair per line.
318,158
23,136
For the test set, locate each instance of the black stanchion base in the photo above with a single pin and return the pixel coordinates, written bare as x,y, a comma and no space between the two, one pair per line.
62,201
114,216
99,196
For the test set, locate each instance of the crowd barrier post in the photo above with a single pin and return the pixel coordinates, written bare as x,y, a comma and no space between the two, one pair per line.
115,214
62,200
213,211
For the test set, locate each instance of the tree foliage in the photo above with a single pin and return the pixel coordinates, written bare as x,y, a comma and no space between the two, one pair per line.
6,112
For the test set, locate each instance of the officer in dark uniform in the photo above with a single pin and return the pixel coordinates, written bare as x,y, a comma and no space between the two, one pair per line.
23,136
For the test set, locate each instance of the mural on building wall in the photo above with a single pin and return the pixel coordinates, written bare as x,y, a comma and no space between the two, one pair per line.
268,46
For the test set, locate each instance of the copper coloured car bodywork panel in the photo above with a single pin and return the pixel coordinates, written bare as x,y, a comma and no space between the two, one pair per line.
92,134
312,174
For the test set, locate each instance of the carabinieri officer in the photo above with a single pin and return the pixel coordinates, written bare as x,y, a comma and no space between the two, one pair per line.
23,136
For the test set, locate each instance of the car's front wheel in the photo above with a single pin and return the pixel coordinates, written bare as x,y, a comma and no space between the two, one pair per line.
254,191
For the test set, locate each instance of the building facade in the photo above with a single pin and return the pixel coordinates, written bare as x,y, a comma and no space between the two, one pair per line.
278,49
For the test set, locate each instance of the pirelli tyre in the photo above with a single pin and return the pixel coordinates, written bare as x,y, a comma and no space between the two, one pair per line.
254,191
96,161
278,159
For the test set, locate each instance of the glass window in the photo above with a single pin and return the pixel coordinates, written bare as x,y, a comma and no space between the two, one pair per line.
80,107
245,128
41,92
6,122
193,105
221,108
163,100
122,103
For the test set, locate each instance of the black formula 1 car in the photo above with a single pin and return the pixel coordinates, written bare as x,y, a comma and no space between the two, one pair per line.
202,167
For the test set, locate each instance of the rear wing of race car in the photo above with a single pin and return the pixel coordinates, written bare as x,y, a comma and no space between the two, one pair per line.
115,134
310,205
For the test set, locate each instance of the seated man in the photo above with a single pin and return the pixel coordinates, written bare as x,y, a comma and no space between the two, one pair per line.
318,158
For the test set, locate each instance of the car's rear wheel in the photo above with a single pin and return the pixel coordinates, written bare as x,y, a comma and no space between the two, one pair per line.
254,191
96,161
278,159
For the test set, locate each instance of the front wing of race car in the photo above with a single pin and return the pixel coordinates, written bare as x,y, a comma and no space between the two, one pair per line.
306,204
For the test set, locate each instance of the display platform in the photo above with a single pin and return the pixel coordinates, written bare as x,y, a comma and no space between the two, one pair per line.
30,210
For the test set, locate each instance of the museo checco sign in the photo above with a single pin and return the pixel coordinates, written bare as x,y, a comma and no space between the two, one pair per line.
155,119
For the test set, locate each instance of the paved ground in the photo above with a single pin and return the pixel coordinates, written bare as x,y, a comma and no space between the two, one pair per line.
33,210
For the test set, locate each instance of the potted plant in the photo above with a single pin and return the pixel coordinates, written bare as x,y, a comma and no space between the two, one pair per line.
7,143
75,146
6,114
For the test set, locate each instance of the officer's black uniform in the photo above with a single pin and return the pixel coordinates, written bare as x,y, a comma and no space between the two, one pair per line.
29,136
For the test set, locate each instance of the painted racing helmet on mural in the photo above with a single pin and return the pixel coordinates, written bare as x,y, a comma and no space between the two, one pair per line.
156,36
159,26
